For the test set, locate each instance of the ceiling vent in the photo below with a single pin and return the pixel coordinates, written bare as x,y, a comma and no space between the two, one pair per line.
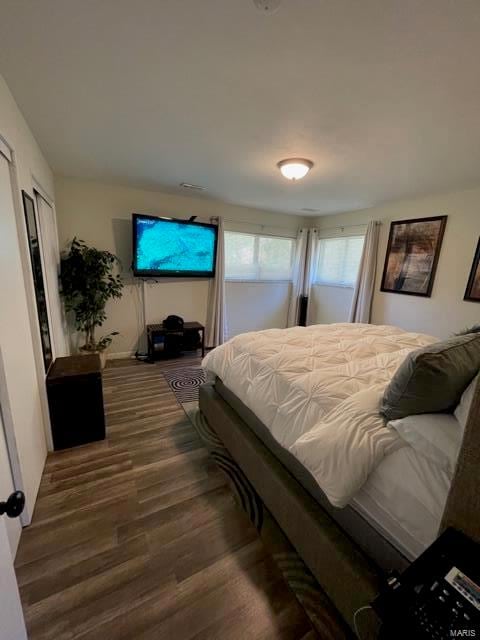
267,6
192,187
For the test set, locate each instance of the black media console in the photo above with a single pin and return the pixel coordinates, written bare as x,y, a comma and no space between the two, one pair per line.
169,343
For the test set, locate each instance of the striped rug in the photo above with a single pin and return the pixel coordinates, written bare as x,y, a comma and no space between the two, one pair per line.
185,383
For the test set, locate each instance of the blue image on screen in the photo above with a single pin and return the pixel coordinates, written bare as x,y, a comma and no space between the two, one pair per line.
164,245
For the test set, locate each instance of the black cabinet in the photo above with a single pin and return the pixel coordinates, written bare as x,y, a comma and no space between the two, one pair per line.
75,400
169,343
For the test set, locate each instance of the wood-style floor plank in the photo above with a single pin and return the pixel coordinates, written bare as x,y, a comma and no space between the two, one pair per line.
138,536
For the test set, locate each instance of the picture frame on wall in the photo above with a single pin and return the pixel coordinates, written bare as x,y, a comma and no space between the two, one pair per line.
38,282
472,292
412,255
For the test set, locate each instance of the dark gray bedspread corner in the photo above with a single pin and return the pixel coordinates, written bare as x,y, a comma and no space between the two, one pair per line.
341,568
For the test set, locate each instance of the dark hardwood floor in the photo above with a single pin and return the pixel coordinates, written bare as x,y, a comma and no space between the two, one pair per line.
138,537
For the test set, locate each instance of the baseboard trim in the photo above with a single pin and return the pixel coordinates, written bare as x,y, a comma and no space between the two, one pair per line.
120,355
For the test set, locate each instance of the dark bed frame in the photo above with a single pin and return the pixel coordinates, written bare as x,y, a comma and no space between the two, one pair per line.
347,574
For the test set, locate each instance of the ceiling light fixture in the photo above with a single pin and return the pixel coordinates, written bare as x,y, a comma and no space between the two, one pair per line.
295,168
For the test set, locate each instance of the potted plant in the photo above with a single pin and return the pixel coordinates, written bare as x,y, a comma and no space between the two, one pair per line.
88,280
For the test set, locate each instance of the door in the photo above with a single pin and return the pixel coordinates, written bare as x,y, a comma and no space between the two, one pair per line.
12,625
22,394
7,486
51,266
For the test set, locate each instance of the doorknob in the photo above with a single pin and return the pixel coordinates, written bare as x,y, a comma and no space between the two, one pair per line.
13,507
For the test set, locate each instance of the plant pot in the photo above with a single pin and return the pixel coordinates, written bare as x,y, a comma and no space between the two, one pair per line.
103,358
102,354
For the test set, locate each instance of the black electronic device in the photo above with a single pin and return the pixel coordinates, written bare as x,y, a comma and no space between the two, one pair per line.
302,311
437,596
167,247
173,323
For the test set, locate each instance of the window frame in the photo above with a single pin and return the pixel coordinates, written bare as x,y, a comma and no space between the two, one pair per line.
256,253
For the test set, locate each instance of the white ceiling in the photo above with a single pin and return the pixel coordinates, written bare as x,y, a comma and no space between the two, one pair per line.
383,95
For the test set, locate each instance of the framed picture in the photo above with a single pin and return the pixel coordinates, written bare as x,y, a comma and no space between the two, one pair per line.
37,272
472,292
412,255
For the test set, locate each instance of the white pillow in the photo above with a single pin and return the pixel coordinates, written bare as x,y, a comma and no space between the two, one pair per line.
437,436
463,407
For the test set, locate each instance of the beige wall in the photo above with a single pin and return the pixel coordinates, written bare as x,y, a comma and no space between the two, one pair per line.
100,214
19,334
445,312
330,304
252,306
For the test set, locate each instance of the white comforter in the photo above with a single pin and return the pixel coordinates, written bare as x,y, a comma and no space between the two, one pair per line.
317,389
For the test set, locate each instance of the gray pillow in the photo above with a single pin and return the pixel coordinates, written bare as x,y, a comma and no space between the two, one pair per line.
432,379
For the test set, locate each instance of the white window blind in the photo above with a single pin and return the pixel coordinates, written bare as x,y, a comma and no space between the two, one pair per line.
338,260
256,257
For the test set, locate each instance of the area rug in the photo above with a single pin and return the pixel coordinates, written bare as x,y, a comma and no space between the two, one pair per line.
324,617
185,383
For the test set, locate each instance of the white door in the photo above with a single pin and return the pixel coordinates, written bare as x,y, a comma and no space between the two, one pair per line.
12,625
47,229
7,486
21,372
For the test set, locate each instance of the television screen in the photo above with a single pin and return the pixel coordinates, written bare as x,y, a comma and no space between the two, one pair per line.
164,247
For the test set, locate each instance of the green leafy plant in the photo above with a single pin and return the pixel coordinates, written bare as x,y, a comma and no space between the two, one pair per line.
89,281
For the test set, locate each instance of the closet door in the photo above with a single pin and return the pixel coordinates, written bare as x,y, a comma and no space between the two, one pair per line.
12,621
8,486
20,401
51,267
12,624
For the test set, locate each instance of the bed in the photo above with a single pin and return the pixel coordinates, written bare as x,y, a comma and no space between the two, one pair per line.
270,399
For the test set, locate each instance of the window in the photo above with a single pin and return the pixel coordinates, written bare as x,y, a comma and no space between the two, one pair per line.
338,260
254,257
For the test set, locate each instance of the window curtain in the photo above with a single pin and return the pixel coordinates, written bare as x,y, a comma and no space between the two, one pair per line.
311,267
216,315
304,272
298,277
361,308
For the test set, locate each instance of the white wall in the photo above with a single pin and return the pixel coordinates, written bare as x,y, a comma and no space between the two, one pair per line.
252,306
330,304
100,214
20,340
445,312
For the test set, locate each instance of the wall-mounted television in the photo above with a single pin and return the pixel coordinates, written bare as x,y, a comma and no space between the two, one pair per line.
164,247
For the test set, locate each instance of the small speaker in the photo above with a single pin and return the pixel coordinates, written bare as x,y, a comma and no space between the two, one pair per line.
302,311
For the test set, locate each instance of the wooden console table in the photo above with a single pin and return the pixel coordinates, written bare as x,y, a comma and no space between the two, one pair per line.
159,331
